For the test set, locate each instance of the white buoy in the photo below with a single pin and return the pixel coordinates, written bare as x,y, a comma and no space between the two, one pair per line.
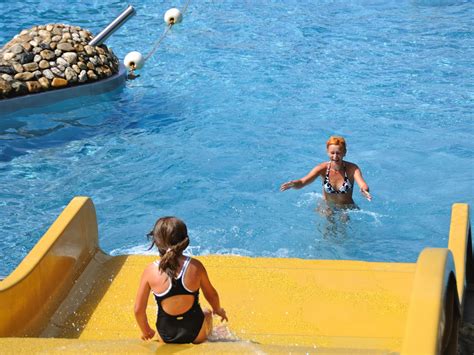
134,60
173,16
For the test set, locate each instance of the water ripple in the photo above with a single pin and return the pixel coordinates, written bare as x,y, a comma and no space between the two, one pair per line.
234,104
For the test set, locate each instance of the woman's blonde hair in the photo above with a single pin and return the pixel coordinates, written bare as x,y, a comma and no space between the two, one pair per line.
337,140
170,235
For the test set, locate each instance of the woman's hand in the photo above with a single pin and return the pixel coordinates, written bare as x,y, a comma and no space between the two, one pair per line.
221,313
365,192
291,184
149,334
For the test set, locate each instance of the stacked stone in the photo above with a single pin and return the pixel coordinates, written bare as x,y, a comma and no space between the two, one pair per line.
52,56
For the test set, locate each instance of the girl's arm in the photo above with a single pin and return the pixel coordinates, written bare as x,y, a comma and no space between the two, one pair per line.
211,294
364,188
141,302
308,179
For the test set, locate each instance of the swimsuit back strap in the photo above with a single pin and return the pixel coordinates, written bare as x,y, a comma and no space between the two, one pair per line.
184,268
183,273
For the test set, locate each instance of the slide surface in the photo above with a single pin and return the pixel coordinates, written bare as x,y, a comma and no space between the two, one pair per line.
67,295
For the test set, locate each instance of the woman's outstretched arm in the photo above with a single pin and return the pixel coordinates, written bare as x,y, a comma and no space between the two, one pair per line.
364,188
308,179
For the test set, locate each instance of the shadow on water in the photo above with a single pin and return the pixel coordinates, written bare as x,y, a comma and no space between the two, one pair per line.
53,125
76,119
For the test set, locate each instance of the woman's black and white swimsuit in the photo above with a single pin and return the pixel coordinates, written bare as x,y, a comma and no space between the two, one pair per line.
181,328
344,189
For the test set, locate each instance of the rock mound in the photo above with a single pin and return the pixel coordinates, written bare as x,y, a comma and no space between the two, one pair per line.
52,56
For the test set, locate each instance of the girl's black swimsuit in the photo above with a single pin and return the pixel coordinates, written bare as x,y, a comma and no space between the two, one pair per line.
181,328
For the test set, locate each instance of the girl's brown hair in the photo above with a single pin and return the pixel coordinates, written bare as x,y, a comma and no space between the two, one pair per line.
170,235
337,140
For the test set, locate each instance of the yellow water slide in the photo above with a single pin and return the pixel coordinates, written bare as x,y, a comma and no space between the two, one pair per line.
69,296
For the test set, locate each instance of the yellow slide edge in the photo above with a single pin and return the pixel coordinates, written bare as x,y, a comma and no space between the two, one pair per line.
33,291
433,313
460,244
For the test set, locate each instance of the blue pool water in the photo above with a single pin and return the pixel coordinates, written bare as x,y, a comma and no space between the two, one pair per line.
239,98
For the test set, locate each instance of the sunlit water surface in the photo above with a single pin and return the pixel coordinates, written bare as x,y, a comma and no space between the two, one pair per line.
239,98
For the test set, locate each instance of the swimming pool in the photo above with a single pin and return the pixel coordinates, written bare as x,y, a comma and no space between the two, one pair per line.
239,98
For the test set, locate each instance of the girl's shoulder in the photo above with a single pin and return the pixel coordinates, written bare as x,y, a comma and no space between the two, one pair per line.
195,263
196,267
153,266
151,271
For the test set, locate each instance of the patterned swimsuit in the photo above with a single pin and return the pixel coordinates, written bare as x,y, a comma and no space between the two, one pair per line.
344,189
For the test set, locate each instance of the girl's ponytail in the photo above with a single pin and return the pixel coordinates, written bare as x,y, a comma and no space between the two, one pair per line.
170,235
169,262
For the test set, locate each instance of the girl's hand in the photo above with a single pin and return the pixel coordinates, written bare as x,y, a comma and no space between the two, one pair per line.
366,194
221,313
150,333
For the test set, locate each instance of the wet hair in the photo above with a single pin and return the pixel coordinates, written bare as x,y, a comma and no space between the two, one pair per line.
170,235
337,140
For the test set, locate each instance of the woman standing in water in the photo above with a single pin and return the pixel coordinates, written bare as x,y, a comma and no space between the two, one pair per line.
338,177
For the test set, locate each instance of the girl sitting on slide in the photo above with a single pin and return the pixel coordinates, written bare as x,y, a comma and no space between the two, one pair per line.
175,281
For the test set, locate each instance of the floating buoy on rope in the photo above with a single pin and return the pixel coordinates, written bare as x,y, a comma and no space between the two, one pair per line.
173,16
135,60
